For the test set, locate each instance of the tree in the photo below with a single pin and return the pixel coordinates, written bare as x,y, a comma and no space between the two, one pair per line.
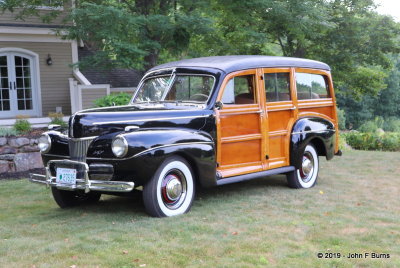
135,33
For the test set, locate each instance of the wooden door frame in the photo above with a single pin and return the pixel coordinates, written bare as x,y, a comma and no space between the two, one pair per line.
233,109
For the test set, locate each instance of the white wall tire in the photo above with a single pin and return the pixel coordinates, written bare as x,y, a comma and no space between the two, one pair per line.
171,190
305,176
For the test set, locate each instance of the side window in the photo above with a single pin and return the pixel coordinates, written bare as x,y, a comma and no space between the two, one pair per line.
311,86
277,86
239,90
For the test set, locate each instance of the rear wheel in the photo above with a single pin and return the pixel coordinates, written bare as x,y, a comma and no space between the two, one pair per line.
306,176
65,199
171,190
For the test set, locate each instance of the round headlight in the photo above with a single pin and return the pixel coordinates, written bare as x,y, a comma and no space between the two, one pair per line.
119,146
44,143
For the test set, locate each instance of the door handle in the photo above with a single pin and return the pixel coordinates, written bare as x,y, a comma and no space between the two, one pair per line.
10,85
15,88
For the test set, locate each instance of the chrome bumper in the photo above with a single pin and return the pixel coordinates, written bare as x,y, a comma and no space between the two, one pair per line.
81,184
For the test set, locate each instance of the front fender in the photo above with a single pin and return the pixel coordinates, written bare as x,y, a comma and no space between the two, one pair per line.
148,148
318,131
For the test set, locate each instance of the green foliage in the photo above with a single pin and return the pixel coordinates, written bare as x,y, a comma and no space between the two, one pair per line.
4,132
135,33
57,119
389,141
342,119
385,104
392,124
113,100
22,126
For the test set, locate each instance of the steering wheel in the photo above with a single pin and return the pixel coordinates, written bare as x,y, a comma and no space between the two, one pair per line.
199,97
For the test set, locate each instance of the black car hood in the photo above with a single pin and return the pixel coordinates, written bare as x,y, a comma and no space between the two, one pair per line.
101,121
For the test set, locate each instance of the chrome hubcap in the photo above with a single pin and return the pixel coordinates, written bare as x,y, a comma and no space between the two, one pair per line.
174,189
307,167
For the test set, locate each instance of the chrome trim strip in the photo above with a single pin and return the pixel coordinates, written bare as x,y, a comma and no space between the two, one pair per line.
56,155
148,150
169,145
313,131
150,119
84,138
129,128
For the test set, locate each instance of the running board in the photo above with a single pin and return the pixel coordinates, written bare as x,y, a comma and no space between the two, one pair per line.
255,175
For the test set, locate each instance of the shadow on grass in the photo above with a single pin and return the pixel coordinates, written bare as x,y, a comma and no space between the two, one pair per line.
132,205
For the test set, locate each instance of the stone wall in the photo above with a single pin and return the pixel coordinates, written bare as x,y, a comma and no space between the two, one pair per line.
19,154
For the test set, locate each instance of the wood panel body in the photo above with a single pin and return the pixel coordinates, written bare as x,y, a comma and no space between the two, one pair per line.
256,137
239,148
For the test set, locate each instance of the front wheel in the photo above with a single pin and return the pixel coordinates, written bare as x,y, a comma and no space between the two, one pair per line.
65,199
306,175
171,190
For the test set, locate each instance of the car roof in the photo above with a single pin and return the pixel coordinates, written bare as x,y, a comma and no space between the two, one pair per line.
242,62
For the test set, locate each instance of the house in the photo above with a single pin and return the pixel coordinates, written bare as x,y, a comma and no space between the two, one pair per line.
36,73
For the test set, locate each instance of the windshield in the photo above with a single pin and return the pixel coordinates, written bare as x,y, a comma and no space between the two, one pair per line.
191,88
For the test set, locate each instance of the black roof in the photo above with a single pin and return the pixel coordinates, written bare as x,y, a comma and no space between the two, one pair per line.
235,63
114,77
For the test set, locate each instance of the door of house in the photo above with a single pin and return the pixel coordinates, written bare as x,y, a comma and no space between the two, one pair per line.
17,85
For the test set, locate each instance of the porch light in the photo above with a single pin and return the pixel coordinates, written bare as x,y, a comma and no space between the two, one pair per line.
49,60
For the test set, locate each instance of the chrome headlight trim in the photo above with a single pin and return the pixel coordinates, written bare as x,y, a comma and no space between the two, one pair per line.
122,143
44,143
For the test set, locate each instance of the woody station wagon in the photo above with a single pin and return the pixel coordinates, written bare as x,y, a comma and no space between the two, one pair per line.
197,122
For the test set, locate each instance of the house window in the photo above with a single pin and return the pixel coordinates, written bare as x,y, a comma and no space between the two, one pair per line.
277,86
311,86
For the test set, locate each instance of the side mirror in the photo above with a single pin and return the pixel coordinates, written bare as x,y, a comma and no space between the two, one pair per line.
218,105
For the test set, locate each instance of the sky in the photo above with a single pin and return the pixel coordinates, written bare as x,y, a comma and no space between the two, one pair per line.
389,7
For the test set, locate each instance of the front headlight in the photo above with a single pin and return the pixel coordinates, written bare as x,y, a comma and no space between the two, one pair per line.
119,146
44,143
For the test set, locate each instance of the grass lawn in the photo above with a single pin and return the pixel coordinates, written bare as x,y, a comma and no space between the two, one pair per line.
354,208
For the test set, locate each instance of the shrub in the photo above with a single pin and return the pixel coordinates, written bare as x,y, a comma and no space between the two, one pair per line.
389,141
342,119
4,132
113,100
392,124
342,143
22,126
57,119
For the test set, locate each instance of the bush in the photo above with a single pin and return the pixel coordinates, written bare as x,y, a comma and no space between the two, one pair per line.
4,132
342,119
57,119
113,100
343,144
22,126
392,124
372,125
389,141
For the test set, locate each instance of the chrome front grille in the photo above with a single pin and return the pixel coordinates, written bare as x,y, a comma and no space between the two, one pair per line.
78,148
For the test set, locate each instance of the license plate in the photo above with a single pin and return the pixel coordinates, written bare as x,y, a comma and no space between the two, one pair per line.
66,175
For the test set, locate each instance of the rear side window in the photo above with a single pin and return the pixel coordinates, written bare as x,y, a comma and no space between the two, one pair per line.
311,86
277,87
